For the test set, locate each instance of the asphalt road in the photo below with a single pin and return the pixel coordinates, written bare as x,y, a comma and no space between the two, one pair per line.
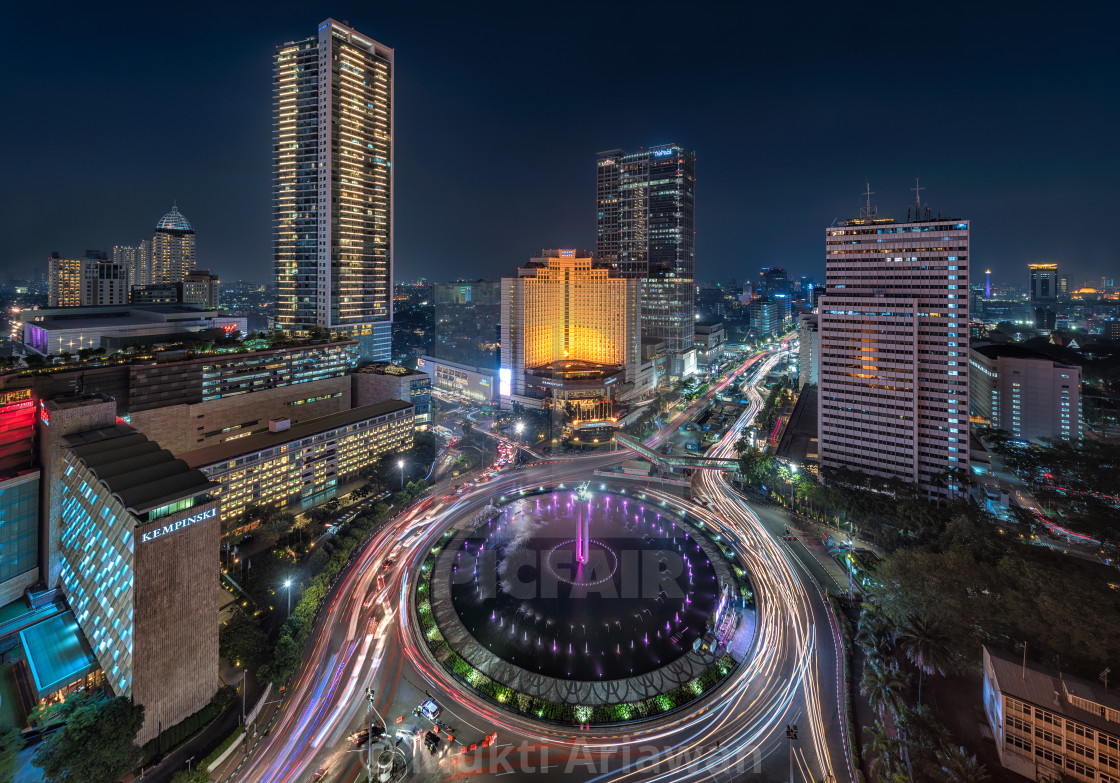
364,638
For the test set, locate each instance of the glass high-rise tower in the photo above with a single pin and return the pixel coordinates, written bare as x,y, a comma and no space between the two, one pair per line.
173,248
333,186
646,205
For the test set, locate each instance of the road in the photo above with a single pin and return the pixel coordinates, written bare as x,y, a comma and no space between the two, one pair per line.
364,637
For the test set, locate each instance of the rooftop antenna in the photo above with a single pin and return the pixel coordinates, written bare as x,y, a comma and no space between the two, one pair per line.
868,212
918,194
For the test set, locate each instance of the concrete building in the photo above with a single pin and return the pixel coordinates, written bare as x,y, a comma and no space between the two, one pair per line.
461,381
893,389
89,281
201,288
333,186
138,259
809,349
570,336
195,403
709,339
19,494
380,381
300,465
59,329
140,569
645,230
768,316
1050,726
1024,392
1043,282
173,249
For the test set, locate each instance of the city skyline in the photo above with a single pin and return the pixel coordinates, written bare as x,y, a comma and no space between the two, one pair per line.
776,178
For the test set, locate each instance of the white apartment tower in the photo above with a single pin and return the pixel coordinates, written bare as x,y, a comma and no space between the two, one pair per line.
333,186
138,259
893,367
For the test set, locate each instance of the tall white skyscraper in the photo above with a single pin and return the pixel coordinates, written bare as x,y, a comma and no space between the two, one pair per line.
173,249
333,186
893,389
138,259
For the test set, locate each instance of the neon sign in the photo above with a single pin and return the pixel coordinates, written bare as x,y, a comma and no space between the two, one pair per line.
662,153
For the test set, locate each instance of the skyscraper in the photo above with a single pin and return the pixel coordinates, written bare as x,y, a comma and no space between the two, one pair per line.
93,280
173,249
1044,282
333,186
138,259
646,230
894,334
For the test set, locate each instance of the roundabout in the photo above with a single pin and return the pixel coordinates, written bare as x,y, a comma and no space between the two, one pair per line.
582,605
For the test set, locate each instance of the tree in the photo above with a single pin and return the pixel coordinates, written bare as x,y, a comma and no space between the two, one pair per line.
958,766
925,646
97,744
886,750
241,641
11,743
197,775
883,689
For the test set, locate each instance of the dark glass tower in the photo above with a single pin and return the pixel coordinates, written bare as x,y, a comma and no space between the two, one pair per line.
646,229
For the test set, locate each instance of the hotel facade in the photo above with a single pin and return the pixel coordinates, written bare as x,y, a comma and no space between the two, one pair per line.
894,337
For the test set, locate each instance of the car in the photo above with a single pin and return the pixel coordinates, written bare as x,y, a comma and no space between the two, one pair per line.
319,774
362,736
387,564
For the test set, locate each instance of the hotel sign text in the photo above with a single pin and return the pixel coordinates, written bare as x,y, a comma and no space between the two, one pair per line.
179,524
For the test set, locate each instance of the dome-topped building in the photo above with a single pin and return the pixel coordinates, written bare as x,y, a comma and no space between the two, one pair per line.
173,249
174,221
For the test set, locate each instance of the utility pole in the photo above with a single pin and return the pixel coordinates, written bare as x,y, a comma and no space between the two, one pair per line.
369,737
791,734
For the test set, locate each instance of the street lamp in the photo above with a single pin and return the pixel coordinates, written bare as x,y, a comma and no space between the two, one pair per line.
400,464
288,586
518,429
792,473
791,735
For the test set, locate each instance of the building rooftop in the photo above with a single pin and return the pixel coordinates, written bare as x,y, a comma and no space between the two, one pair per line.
115,315
385,368
57,653
174,221
1013,351
1051,689
266,440
135,469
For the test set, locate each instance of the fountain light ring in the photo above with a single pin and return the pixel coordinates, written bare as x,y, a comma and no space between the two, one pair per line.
573,582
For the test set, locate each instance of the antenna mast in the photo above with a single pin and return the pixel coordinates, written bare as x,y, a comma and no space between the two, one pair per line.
868,212
918,193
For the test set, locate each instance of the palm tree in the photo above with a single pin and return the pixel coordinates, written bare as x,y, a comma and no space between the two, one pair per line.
924,644
957,766
886,764
883,689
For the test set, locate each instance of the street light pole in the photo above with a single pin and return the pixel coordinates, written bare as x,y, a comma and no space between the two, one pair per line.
244,687
288,587
791,734
851,535
400,465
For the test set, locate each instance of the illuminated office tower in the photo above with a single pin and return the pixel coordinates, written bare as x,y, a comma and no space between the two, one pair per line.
64,281
89,281
138,259
893,368
173,249
1044,282
333,186
646,230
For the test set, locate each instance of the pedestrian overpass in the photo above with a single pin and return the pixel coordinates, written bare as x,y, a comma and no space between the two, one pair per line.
673,460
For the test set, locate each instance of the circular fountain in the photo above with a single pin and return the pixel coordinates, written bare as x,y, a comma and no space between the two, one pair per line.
582,597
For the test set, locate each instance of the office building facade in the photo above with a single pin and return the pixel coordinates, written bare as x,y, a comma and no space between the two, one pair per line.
333,186
1031,396
140,534
809,349
894,334
459,381
1043,282
646,231
138,259
570,335
299,465
173,249
768,316
19,494
1050,726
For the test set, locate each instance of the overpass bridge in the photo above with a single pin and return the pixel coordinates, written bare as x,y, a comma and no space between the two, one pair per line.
674,460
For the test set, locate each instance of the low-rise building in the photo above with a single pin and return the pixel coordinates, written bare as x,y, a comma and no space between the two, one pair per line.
461,381
380,381
296,466
1049,726
57,330
709,339
1028,394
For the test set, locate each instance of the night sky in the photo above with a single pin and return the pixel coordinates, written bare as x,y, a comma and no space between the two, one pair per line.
1008,113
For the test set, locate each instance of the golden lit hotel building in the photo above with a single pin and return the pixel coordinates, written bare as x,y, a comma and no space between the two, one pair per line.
296,466
570,334
333,186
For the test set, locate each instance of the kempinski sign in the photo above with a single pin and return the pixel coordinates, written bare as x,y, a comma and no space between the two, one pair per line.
179,524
